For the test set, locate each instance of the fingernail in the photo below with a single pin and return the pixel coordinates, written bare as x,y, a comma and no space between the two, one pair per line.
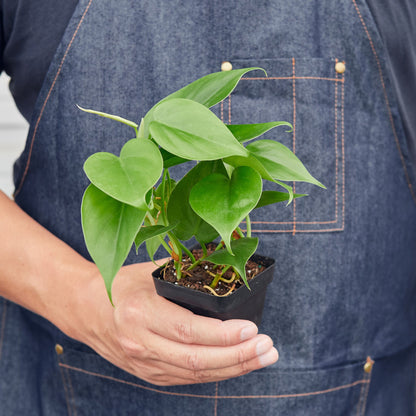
263,346
269,358
248,332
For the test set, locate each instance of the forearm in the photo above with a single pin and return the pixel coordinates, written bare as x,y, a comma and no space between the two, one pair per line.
144,334
39,271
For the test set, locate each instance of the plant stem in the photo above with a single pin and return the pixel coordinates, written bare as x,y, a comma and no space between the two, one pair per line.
204,249
240,232
248,223
188,252
197,263
165,179
162,241
219,246
177,248
219,277
178,265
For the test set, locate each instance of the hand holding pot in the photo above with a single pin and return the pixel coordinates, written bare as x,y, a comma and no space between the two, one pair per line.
165,344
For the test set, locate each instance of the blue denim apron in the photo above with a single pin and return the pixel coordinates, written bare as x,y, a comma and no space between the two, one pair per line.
345,283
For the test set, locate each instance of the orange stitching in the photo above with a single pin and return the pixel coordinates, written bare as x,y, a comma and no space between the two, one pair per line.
289,78
288,396
322,230
222,110
47,99
343,150
3,325
61,370
294,137
362,402
291,222
216,399
71,391
170,393
295,222
380,71
200,396
336,147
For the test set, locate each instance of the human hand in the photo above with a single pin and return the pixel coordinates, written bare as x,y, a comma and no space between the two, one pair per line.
165,344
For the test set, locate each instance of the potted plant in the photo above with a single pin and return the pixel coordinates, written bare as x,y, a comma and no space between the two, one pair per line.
133,199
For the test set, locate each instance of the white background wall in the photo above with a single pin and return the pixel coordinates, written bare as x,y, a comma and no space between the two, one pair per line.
13,130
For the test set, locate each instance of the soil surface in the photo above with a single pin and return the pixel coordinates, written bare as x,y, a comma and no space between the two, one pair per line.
203,275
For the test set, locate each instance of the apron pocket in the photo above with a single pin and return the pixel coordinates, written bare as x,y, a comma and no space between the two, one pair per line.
309,93
94,386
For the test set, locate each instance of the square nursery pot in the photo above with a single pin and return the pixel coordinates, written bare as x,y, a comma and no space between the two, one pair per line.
241,304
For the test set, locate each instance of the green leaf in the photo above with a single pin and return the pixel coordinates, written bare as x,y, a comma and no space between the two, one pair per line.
212,88
223,202
251,161
273,197
258,166
245,132
129,177
280,162
109,228
189,130
243,249
110,116
208,91
179,209
151,231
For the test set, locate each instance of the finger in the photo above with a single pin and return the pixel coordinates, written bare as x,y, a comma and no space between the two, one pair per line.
198,357
164,374
180,325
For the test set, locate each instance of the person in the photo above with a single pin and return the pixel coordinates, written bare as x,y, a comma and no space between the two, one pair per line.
341,307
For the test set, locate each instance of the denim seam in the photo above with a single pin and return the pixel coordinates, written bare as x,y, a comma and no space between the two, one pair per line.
362,403
216,399
338,174
216,396
386,99
336,143
3,325
294,137
62,370
291,78
52,87
71,392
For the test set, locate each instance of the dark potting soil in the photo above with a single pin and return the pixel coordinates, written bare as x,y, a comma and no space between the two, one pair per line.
202,275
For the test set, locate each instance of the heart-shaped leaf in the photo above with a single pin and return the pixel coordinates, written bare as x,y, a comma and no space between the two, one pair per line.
190,130
280,162
245,132
208,91
179,209
223,202
109,228
243,249
212,88
129,177
255,164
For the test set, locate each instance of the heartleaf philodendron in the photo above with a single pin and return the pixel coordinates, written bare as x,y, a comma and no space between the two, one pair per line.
224,202
129,177
132,198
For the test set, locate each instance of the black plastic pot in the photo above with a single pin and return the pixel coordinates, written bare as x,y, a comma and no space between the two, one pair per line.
241,304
